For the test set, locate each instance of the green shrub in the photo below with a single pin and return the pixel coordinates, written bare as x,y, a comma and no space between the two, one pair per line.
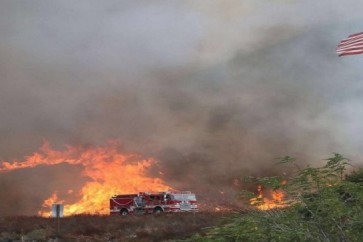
321,206
355,176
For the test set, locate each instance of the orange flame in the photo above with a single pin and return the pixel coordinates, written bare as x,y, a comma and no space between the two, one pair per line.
110,173
222,209
261,202
48,204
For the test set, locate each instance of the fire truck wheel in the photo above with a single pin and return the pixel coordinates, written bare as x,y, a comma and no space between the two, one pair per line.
158,210
124,212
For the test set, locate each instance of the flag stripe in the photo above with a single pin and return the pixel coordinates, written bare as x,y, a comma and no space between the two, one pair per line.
350,50
354,36
346,41
351,42
351,53
352,45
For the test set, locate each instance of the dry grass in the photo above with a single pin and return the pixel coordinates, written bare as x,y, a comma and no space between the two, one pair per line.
162,227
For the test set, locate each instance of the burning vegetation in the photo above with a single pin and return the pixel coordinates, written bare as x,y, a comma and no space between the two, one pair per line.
268,199
104,166
108,171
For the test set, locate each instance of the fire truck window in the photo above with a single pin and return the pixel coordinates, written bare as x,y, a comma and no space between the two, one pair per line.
183,197
138,201
152,197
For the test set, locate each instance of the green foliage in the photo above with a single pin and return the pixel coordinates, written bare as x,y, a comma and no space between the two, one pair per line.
321,206
355,176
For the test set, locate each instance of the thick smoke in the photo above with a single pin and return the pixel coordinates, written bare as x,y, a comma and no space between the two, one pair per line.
213,90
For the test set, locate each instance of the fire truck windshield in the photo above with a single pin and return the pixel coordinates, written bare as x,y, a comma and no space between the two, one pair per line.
183,197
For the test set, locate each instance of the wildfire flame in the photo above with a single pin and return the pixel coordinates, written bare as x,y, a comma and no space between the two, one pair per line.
275,200
110,173
222,209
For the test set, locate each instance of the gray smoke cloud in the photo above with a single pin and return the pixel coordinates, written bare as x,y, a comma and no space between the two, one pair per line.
214,90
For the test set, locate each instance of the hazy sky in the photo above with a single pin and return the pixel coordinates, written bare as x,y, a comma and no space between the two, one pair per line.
211,87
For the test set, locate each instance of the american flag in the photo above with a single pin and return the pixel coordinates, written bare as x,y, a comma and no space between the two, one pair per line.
352,45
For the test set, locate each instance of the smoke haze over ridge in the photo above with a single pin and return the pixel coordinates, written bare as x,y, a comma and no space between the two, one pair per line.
210,89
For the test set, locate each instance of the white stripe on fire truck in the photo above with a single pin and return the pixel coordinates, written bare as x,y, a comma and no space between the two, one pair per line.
120,203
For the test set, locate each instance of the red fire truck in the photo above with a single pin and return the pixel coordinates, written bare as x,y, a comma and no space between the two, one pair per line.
153,202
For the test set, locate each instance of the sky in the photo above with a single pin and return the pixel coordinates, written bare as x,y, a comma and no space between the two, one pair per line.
213,89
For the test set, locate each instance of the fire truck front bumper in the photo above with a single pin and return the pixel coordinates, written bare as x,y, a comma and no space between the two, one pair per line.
183,208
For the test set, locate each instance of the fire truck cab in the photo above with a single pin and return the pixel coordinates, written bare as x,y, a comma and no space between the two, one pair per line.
153,202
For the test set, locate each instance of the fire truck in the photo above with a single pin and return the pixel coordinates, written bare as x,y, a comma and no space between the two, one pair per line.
153,202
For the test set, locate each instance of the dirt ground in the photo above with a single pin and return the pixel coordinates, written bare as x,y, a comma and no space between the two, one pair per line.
160,227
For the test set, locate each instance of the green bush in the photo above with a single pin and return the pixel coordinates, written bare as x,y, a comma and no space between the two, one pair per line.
320,206
355,176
